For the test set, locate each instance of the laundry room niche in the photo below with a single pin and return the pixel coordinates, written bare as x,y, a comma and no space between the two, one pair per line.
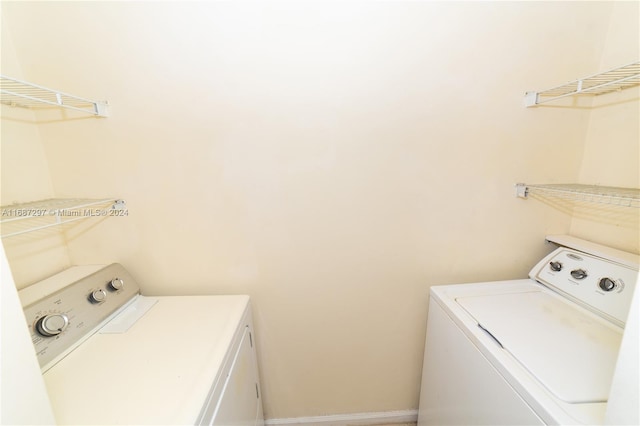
333,160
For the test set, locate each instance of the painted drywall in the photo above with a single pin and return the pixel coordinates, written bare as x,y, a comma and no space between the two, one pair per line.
612,148
332,160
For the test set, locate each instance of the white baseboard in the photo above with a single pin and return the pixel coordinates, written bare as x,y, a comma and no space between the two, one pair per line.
362,419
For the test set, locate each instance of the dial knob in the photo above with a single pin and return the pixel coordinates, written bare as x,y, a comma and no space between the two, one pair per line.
98,296
579,274
52,325
116,284
555,266
607,284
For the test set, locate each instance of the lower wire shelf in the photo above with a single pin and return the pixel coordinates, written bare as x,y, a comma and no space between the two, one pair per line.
622,197
18,219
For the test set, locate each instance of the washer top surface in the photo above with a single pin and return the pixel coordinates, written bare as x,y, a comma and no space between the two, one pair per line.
139,375
571,351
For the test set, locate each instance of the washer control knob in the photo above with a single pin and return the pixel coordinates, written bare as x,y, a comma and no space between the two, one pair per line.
579,274
52,325
607,284
555,266
98,296
116,284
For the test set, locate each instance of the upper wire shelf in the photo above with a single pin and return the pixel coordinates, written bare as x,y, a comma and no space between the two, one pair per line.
598,84
18,219
622,197
28,95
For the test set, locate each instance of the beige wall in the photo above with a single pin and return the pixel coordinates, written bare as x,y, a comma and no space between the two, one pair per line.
612,147
331,160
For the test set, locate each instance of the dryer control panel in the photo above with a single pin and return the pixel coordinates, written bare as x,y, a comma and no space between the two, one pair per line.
601,285
68,307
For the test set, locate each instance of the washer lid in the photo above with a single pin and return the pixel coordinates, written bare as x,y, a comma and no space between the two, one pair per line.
569,350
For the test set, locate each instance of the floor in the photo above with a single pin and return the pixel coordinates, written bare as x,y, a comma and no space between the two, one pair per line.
397,424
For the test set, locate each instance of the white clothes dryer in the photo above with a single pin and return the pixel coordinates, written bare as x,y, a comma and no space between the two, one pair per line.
112,356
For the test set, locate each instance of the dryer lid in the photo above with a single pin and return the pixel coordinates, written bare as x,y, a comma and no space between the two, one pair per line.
568,349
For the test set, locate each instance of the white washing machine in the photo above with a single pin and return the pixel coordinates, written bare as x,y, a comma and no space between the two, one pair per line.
533,351
112,356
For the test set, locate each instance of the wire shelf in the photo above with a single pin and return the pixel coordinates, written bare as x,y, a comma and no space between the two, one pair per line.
622,197
18,219
20,93
606,82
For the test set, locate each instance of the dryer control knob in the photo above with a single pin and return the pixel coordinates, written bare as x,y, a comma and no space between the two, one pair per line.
555,266
98,296
116,284
52,325
607,284
579,274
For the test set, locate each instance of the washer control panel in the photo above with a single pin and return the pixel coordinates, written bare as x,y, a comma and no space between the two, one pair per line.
603,286
70,306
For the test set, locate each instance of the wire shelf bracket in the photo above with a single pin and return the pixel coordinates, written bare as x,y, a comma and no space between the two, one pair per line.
20,93
598,84
620,197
